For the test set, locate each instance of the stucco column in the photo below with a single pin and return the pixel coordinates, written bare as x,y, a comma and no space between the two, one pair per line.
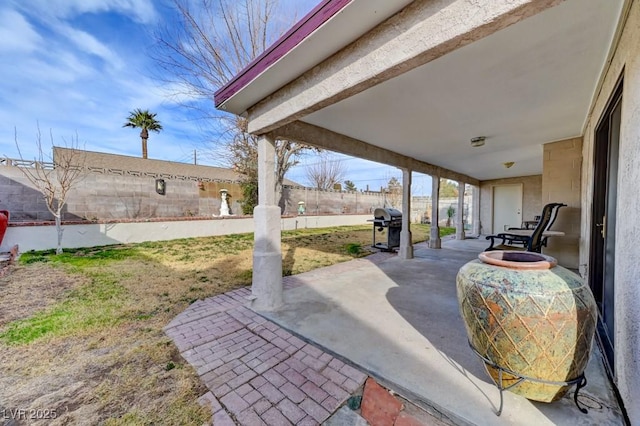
460,213
406,246
266,288
475,209
434,236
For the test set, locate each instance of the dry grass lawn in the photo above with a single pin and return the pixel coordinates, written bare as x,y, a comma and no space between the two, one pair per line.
81,333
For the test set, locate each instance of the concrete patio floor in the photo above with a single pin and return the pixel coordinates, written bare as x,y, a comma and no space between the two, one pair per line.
398,320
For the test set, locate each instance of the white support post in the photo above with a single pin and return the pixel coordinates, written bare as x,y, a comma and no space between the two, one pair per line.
475,209
460,216
434,237
406,245
266,289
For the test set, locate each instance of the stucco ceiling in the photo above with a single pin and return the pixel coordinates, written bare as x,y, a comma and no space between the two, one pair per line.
521,87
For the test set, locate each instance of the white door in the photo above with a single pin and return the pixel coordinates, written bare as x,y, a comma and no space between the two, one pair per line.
507,207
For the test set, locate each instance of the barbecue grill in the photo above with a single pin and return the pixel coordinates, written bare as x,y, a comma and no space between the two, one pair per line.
386,222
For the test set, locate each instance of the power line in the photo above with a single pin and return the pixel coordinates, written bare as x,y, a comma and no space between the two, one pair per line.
187,158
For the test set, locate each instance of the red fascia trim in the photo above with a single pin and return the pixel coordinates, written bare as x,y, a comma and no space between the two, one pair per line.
307,25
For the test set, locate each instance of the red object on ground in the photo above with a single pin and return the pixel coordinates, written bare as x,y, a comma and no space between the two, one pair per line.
4,222
379,407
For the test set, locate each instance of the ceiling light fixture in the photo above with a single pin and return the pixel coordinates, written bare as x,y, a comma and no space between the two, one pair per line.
477,141
508,164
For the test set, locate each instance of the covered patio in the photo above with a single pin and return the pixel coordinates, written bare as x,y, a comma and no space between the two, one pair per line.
550,88
398,320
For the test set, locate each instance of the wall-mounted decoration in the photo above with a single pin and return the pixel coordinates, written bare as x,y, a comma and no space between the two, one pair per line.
161,186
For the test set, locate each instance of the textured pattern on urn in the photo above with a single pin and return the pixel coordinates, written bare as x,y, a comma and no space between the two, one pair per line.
537,323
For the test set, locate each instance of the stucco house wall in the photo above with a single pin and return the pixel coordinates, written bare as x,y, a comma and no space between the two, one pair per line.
561,177
44,236
625,61
531,199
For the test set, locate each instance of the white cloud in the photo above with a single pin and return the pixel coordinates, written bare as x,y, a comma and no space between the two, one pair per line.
16,34
141,11
78,66
51,70
50,77
89,44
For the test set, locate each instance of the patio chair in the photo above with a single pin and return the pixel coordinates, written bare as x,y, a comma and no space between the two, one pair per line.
533,242
527,224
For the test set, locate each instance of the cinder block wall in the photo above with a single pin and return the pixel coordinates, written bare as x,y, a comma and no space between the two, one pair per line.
420,208
531,199
117,197
332,202
561,183
105,196
20,198
112,196
122,187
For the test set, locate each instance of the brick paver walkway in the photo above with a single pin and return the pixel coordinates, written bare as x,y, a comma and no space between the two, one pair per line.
258,373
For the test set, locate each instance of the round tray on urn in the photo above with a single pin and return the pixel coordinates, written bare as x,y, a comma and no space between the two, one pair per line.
528,316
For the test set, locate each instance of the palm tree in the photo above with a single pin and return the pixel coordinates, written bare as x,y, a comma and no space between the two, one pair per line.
146,121
451,211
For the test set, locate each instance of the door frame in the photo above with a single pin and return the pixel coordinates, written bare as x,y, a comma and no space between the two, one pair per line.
598,248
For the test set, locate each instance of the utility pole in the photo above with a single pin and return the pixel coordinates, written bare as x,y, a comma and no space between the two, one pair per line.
195,158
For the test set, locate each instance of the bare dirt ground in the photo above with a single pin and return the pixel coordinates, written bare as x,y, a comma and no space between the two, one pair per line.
30,289
112,374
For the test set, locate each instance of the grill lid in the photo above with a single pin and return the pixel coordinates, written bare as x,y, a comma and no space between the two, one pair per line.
387,214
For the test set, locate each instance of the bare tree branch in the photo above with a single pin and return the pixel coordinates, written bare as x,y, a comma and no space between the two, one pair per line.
210,44
325,173
56,178
393,193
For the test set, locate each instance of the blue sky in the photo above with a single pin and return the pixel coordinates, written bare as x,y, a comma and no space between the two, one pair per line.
77,67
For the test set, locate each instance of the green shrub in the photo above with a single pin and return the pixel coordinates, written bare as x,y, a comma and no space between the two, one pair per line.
354,248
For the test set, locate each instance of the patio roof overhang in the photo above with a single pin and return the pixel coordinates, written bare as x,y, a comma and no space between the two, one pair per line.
420,79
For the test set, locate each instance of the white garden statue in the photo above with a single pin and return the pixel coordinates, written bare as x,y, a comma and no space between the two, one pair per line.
224,205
